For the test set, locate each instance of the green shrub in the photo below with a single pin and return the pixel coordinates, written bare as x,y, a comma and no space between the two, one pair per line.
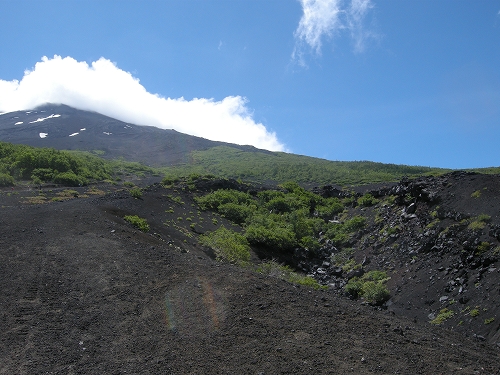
235,212
379,276
354,224
273,236
476,194
44,174
371,287
136,193
354,287
213,200
227,245
340,233
443,316
375,292
310,243
279,205
69,179
274,269
6,179
169,180
474,312
330,208
137,222
482,247
343,256
479,222
367,200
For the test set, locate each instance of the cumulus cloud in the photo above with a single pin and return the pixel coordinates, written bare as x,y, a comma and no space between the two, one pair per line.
323,19
103,87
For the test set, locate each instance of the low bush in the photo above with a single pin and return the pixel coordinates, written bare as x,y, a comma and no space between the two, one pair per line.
479,222
375,292
235,212
340,233
228,245
6,179
274,269
444,315
213,200
476,194
138,222
354,287
367,200
371,286
69,179
273,236
136,193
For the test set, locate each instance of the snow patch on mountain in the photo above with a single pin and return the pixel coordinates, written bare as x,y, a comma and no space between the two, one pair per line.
43,118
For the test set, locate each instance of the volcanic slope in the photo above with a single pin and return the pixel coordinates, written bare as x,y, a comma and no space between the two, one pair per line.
66,128
84,292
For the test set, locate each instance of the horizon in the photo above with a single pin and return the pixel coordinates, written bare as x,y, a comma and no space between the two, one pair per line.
413,83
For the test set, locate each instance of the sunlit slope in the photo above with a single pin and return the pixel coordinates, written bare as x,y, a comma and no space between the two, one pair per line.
278,166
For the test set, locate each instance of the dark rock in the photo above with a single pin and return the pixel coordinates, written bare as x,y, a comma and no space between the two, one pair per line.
355,273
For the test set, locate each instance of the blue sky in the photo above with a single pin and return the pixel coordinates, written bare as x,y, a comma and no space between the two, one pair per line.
408,82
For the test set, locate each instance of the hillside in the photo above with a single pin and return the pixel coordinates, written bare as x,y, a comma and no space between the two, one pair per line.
65,128
84,291
238,261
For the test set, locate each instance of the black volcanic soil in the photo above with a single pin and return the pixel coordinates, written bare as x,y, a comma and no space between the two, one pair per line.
83,292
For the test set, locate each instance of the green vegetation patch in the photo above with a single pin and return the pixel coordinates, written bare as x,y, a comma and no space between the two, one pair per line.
367,200
479,222
340,233
264,166
371,286
137,222
443,316
489,320
136,192
274,269
228,245
476,194
21,162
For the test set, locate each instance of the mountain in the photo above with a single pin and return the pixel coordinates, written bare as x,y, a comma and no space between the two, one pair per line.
63,127
202,274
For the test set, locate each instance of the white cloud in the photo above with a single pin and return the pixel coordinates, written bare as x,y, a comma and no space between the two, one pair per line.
356,14
103,87
322,19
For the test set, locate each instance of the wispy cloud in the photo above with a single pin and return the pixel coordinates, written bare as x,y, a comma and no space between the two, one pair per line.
323,19
103,87
356,14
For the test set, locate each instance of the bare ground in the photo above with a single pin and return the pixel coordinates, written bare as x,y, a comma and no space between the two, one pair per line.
83,292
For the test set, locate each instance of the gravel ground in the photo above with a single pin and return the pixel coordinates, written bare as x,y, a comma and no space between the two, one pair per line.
83,292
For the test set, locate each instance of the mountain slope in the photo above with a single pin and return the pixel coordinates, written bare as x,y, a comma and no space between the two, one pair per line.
63,127
84,292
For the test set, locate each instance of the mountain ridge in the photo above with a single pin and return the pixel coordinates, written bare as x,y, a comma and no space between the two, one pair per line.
63,127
